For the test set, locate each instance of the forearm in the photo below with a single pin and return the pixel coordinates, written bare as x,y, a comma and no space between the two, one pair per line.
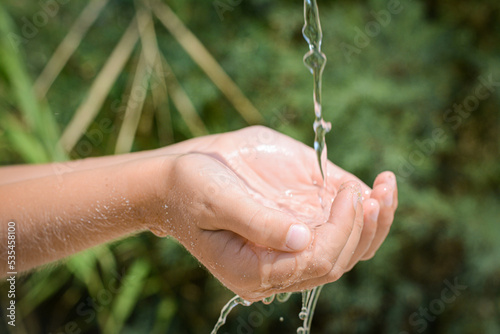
58,215
18,173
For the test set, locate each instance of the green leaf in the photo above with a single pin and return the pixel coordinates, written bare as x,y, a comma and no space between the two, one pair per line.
128,296
37,115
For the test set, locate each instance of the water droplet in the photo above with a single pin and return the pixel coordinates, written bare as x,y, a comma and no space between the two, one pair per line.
283,297
268,300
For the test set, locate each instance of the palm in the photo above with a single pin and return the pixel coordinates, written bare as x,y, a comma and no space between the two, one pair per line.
281,172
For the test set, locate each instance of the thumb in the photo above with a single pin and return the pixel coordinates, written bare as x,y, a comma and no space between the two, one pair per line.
268,227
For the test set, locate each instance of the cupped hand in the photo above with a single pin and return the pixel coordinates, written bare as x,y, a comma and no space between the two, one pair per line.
247,205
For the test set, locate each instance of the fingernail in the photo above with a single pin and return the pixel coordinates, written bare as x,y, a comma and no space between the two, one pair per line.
392,181
388,197
298,237
374,214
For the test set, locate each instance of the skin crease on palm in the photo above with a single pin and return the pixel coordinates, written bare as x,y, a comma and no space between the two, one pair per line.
244,203
242,189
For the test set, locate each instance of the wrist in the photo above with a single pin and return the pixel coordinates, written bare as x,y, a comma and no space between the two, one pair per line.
155,206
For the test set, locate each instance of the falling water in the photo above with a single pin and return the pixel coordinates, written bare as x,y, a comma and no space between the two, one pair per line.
236,300
315,61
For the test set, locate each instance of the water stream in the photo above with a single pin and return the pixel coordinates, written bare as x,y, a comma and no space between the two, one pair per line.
236,300
315,61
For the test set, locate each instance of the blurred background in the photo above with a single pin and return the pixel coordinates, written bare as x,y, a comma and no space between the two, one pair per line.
409,86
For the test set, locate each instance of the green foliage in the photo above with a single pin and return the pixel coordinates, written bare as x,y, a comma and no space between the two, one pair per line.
392,106
42,146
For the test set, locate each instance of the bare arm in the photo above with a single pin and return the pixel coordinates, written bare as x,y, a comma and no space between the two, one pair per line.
227,198
17,173
58,215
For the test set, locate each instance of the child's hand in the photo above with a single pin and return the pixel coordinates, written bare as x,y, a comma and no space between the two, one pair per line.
246,204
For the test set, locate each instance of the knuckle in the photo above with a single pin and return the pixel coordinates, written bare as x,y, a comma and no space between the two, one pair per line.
263,220
255,218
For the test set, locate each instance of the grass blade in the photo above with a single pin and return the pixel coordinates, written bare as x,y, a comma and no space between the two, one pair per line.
129,294
158,84
38,117
100,88
135,104
67,47
24,143
183,104
207,63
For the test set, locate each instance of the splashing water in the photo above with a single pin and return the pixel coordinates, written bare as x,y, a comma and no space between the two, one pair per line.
315,61
236,300
309,300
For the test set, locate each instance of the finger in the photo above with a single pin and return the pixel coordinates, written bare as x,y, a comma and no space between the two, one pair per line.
226,205
334,244
346,255
336,176
389,179
228,257
345,259
385,192
352,244
264,226
330,239
371,210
